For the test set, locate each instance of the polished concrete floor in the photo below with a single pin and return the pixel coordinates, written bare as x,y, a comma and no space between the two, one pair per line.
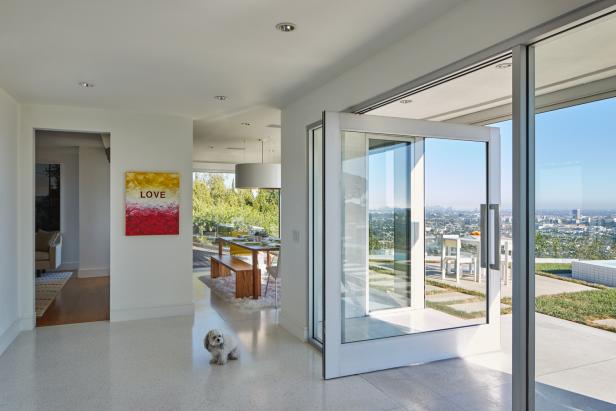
160,364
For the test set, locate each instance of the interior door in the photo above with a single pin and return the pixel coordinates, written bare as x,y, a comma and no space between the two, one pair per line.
411,266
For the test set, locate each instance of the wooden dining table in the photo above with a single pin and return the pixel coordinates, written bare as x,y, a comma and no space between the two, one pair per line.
255,247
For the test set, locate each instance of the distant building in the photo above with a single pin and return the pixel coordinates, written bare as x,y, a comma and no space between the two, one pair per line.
576,213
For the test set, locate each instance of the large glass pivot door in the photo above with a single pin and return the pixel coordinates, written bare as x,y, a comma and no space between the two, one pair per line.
410,267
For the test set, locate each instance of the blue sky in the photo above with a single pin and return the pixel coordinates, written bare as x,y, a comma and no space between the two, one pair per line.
575,164
575,157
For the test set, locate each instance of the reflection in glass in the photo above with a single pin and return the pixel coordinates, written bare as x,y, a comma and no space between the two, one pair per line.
389,236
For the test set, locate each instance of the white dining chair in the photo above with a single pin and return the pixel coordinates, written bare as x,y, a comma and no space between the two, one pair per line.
273,271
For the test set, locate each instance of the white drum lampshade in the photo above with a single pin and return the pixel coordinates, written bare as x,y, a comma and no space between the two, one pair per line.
257,175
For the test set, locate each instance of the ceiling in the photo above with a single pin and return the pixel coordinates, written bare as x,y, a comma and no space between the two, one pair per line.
234,138
173,57
579,64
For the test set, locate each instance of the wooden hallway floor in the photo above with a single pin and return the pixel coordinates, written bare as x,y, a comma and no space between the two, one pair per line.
80,300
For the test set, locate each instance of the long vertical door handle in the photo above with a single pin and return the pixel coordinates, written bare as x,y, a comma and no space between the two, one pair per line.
496,236
483,230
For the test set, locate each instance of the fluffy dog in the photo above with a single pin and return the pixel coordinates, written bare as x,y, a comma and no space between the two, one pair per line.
223,347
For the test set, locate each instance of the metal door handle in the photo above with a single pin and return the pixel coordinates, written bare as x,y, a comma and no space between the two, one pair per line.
496,236
483,230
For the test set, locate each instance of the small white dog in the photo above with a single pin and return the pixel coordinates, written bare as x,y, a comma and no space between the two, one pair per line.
221,346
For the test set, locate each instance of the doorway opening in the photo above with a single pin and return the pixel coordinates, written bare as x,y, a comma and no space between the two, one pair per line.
72,223
236,239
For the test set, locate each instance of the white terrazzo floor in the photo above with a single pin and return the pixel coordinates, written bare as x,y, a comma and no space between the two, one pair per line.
160,364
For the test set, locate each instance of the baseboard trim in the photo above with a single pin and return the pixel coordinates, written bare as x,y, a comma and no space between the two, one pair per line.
141,313
27,323
93,272
9,335
69,265
292,328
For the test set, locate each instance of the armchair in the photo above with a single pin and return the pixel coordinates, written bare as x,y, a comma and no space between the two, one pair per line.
48,250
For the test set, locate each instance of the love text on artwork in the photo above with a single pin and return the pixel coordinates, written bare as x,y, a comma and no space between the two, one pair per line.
152,194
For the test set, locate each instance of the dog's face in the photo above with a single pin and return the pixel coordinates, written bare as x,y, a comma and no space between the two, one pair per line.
214,339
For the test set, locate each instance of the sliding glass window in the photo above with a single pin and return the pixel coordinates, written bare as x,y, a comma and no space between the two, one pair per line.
575,218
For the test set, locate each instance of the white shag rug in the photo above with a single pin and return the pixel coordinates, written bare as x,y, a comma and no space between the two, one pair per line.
224,287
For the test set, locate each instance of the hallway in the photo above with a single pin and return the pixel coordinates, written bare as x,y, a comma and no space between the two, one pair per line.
81,300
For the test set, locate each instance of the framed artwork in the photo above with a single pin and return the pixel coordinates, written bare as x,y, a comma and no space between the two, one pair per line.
152,203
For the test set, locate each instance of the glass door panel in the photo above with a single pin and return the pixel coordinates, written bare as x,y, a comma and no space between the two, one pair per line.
393,275
573,247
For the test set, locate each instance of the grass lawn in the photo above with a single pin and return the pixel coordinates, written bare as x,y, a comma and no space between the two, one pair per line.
582,307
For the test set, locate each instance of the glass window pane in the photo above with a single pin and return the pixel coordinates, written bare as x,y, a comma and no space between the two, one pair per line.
317,234
385,290
219,209
575,211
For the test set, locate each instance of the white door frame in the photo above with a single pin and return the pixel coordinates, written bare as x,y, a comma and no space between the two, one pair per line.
365,356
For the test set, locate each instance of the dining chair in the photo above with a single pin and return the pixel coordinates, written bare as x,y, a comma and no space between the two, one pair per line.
238,251
273,271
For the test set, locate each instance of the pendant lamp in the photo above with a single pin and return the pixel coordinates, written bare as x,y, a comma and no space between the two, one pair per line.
257,175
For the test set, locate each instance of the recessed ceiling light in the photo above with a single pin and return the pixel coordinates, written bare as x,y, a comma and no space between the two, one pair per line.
503,65
85,84
245,123
220,98
235,148
285,27
406,101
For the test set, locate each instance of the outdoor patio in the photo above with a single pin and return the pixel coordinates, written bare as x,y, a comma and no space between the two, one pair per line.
578,360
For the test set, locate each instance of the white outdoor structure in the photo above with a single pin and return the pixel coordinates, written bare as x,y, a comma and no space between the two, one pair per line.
595,271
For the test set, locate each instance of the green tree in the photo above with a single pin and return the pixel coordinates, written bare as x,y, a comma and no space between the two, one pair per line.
214,204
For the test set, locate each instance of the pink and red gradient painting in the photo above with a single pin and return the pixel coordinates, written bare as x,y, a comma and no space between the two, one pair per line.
152,203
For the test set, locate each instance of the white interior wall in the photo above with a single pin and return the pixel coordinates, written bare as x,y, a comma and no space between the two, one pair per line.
93,212
9,317
68,157
469,28
151,276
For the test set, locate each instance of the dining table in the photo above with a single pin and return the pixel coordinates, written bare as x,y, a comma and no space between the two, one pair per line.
255,246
